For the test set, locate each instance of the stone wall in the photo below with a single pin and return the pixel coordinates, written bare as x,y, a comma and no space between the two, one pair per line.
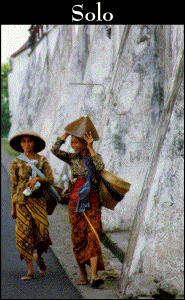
154,262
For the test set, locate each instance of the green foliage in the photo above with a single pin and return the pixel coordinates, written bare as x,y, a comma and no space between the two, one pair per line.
6,147
5,113
4,80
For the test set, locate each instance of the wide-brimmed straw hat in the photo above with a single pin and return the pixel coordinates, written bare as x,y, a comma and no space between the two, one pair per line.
81,126
15,141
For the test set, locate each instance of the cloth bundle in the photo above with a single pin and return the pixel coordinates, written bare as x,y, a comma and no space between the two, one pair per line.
28,191
84,192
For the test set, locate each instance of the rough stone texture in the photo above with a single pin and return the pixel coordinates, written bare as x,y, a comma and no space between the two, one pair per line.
126,95
158,258
154,258
132,117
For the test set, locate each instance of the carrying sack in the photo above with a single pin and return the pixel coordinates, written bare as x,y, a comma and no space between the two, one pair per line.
108,199
52,195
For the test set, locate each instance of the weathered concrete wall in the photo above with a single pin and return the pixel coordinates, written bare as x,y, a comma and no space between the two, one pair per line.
132,115
20,64
154,259
78,71
43,80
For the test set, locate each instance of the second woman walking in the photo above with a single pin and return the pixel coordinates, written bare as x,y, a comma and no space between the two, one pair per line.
84,196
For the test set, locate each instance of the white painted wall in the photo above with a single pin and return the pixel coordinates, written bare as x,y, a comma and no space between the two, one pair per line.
16,77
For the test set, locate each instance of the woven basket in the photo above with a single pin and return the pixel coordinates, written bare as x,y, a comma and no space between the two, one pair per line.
120,185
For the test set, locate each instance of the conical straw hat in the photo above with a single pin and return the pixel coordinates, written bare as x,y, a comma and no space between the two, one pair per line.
81,126
15,141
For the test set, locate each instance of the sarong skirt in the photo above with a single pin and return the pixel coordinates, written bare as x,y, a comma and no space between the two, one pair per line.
32,227
85,242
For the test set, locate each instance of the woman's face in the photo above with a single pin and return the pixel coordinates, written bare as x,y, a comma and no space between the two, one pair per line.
78,146
27,144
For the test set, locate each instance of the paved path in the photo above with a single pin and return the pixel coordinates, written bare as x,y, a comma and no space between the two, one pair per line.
54,284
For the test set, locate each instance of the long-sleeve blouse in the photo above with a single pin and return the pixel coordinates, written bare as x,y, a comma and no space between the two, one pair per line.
77,169
20,173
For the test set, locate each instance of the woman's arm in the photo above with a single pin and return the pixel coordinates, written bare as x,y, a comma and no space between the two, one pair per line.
45,168
97,159
13,186
47,171
13,212
32,182
89,139
14,179
56,148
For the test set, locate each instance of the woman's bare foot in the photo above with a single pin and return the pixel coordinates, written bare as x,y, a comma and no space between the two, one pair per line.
96,282
82,282
28,277
41,263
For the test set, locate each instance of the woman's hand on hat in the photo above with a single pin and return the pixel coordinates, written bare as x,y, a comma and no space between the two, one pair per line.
64,136
89,139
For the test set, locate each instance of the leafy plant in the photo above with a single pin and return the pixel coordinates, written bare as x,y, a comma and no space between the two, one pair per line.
5,113
6,147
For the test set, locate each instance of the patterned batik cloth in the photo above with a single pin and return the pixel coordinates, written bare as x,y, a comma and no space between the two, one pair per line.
85,242
32,227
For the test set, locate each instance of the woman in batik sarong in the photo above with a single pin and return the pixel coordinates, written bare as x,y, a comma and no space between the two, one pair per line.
84,197
28,201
